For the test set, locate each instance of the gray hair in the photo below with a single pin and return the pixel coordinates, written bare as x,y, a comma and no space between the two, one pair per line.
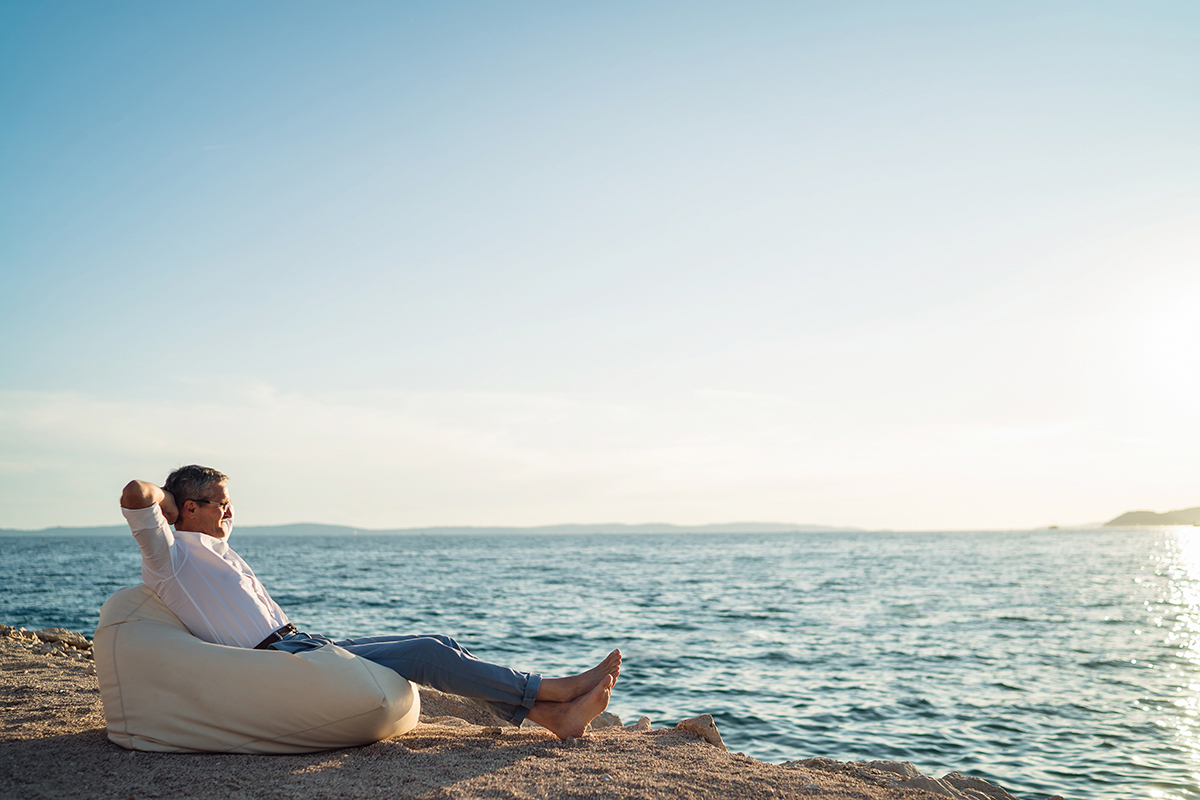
193,482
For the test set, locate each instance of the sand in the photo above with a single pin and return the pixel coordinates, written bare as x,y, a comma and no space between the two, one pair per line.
53,745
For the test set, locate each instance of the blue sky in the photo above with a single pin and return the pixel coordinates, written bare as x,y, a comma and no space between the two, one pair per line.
919,265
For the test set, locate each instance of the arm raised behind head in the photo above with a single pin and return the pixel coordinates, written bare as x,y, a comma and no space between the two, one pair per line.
139,494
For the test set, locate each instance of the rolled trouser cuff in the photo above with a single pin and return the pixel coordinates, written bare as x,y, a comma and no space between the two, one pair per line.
532,684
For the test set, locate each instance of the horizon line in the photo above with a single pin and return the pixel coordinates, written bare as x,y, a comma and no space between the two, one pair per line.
728,527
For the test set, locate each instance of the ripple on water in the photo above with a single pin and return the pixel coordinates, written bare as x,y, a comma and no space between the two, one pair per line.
1014,656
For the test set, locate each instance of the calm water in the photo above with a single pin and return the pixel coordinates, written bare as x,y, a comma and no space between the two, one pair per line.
1050,661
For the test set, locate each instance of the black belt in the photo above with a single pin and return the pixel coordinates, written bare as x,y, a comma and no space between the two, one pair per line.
277,636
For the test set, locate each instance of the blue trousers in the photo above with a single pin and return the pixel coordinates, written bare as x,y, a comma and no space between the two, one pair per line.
440,662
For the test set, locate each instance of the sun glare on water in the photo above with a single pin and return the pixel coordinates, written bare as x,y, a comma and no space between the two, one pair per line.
1179,614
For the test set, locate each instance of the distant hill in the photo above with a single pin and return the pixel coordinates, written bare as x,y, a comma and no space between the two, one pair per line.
313,529
1185,516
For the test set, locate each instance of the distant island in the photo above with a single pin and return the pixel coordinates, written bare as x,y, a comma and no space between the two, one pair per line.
313,529
1185,516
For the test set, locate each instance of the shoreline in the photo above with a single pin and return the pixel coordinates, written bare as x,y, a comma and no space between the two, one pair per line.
53,745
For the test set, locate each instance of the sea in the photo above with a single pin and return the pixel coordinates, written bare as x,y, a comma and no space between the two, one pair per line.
1048,662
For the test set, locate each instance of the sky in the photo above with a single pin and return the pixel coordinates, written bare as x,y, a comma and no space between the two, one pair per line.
920,266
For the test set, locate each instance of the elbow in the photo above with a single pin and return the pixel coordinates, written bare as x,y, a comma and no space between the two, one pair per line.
134,495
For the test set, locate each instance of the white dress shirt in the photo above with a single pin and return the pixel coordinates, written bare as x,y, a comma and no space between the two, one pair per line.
207,585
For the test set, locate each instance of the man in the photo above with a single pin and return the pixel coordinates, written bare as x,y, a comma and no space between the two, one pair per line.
217,596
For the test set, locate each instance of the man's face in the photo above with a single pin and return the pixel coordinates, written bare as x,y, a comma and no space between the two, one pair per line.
214,513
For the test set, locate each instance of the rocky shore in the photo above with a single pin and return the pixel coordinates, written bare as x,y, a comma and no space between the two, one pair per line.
53,745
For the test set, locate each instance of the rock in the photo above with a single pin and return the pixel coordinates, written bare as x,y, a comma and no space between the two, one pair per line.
954,785
978,788
909,777
902,768
931,785
91,670
436,704
902,775
52,649
47,636
704,726
449,722
641,726
605,720
65,636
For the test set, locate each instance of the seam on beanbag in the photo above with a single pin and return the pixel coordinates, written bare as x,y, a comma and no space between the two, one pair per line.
116,670
117,677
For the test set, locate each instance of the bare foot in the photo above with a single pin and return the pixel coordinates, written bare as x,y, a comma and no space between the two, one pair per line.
562,690
565,720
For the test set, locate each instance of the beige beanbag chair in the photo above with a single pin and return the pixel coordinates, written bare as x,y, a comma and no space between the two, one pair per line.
167,691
